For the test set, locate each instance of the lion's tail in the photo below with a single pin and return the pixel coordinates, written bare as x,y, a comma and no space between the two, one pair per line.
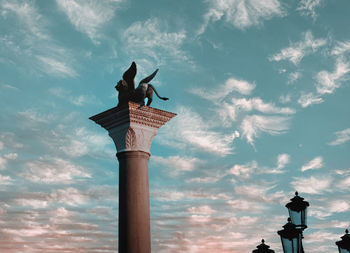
164,98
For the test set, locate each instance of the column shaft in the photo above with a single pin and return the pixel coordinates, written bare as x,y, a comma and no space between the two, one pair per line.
134,214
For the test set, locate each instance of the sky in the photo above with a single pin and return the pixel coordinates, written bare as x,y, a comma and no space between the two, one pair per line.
261,91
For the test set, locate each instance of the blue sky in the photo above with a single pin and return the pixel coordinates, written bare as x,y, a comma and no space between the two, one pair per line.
261,89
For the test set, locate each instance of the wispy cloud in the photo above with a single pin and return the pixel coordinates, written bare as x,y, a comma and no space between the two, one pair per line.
177,164
244,170
252,126
241,14
5,180
342,136
230,111
69,196
312,185
261,106
156,43
327,82
189,129
4,159
89,16
56,67
308,99
282,160
298,50
341,48
76,100
34,46
219,93
292,77
28,15
307,7
314,164
344,183
54,171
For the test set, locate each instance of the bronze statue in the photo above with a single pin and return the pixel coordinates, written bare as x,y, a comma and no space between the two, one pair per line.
127,91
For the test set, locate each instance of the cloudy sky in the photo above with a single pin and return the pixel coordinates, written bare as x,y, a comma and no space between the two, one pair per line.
261,89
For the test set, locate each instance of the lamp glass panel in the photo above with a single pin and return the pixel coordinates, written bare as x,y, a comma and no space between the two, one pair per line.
296,217
343,250
287,245
304,215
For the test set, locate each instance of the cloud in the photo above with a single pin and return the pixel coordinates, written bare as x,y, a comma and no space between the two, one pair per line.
56,67
245,205
292,77
177,164
76,100
5,180
151,40
201,210
259,193
33,46
89,16
341,48
219,93
321,236
259,105
282,160
33,203
315,163
327,82
54,171
252,168
339,206
344,183
189,129
244,170
69,196
77,142
241,14
252,126
298,50
28,15
308,99
205,180
307,7
285,98
5,158
312,185
229,112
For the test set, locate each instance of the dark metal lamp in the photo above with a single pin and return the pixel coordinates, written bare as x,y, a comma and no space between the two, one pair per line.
297,209
344,243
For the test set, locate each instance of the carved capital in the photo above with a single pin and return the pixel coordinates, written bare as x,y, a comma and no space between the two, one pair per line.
132,127
133,137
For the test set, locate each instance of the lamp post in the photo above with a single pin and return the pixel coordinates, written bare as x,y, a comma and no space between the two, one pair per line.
344,243
297,209
291,238
292,233
263,248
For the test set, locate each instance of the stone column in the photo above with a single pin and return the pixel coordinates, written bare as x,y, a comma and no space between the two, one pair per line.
132,129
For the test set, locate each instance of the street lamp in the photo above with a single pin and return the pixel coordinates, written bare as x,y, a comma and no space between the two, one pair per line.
297,211
263,248
344,244
291,238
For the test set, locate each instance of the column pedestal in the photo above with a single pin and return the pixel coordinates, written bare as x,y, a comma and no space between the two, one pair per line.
132,129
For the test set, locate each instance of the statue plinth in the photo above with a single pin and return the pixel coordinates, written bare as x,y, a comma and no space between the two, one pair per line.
132,129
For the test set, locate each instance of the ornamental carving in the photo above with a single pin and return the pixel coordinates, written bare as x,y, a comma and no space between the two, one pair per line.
133,137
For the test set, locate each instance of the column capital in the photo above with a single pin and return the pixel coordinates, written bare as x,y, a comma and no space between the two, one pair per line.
132,127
